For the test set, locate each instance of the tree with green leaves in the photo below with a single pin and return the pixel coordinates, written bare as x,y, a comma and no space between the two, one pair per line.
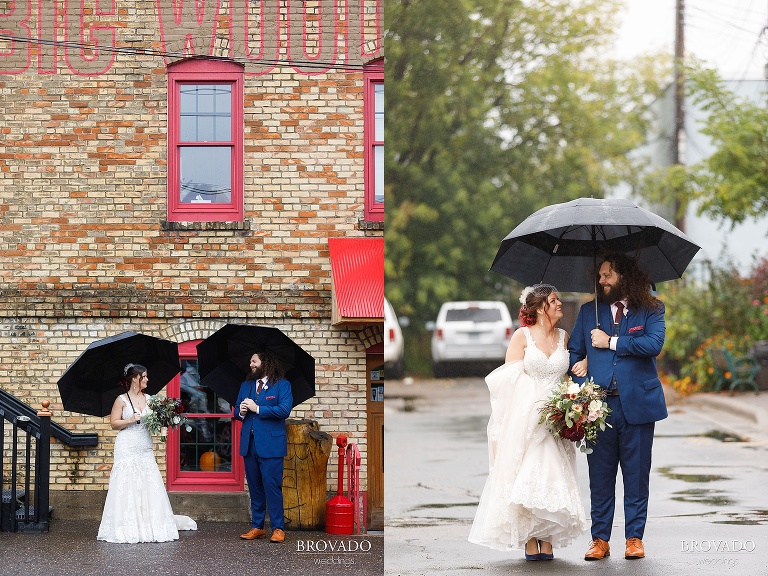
496,108
731,185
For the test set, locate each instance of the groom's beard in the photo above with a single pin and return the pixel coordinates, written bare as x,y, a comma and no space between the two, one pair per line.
256,374
614,294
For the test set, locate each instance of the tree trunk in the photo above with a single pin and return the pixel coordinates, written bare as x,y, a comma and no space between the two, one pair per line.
305,475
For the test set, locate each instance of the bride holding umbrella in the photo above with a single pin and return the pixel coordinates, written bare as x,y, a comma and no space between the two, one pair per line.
118,372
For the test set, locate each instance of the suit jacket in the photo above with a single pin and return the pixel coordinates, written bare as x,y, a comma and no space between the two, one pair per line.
267,428
632,365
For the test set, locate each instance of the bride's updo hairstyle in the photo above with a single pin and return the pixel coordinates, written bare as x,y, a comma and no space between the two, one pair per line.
531,299
129,373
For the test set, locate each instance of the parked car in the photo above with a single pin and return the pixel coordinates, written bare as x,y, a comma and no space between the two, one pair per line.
467,333
394,348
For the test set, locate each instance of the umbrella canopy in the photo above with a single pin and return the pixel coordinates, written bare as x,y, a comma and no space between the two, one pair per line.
90,384
224,360
559,244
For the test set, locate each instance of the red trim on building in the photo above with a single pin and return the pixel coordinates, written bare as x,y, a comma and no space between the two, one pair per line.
357,270
205,72
178,480
373,74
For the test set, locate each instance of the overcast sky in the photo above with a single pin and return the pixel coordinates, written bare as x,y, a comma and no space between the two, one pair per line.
727,34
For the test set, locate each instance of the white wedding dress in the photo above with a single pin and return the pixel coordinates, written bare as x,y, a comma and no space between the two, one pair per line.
137,508
531,491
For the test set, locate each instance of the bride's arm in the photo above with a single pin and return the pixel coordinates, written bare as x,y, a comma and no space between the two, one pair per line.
579,369
116,416
516,348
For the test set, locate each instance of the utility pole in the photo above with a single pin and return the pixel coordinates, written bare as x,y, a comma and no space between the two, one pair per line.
679,99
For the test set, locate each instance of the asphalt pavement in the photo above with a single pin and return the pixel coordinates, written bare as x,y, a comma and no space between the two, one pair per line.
708,512
70,548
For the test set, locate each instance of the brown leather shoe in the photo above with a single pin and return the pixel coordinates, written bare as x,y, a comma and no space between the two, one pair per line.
598,550
635,549
277,536
254,533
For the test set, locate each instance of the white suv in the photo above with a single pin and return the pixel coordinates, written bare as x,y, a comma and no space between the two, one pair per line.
394,349
470,332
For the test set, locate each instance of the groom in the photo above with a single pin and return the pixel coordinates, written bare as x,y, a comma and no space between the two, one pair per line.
263,404
621,355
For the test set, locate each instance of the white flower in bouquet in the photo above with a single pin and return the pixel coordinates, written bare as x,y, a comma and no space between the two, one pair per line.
573,389
595,406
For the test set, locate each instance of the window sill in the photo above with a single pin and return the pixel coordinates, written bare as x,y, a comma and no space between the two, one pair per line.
244,226
363,224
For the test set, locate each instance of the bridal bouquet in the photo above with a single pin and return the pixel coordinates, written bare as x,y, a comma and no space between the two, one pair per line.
576,412
166,413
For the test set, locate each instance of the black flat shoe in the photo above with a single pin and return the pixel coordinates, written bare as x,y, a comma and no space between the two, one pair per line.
532,557
543,556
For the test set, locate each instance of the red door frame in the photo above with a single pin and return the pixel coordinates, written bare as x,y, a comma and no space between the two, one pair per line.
200,481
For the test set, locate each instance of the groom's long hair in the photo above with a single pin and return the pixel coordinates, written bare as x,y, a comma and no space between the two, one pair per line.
634,282
270,367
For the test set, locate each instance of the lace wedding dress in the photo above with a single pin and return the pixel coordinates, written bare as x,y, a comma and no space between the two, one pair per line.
137,508
531,491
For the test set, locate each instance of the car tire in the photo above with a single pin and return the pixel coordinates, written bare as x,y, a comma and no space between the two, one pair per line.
438,369
397,370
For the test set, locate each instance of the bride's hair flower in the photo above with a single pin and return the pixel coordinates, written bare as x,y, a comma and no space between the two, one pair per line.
524,294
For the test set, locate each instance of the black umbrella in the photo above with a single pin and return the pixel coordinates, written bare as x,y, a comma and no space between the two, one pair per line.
559,244
90,384
224,360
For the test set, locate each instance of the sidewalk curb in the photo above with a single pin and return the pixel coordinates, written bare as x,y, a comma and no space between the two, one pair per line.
739,407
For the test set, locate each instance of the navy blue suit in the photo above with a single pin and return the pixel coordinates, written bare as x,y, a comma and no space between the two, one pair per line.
263,446
640,403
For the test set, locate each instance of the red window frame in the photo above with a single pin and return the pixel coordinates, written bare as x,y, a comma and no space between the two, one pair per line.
186,481
205,72
373,75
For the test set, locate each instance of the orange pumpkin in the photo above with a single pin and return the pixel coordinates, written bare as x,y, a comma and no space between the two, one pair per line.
210,461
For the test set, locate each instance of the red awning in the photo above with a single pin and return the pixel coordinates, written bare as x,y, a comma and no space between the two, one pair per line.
357,271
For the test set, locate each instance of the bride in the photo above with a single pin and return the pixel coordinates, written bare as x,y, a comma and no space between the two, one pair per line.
137,508
531,499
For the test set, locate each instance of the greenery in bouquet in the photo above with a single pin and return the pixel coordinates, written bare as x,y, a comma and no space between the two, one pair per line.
166,413
576,412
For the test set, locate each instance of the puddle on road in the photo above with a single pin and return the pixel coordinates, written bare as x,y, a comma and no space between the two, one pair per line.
751,518
714,434
703,496
724,436
667,471
434,506
408,403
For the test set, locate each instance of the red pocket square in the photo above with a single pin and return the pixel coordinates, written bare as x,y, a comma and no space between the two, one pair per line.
270,397
636,329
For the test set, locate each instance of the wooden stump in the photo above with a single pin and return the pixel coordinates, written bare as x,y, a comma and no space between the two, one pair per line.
305,475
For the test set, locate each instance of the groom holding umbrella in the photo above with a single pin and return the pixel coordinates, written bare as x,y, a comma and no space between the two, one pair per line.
623,361
621,333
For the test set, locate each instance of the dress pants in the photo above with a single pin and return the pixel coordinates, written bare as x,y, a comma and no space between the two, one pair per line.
628,445
265,484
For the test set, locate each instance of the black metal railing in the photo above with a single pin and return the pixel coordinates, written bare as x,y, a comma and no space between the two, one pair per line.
25,459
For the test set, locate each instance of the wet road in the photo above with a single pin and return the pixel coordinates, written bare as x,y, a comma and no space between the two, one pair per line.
708,512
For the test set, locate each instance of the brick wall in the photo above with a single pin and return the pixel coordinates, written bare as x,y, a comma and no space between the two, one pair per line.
85,249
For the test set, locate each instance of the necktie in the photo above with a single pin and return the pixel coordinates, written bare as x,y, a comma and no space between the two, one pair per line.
619,312
259,387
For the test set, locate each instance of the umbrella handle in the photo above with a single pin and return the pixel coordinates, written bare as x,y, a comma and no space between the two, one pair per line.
594,267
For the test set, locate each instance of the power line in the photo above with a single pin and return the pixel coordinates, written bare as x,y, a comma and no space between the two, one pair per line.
312,64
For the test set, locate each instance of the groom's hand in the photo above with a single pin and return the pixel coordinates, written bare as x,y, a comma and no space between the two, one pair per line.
600,339
248,405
